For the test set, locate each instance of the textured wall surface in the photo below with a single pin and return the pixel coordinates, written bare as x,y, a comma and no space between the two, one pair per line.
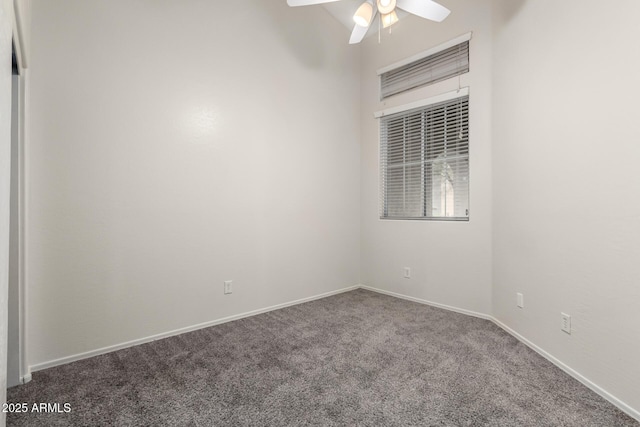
566,184
450,261
171,149
6,24
175,145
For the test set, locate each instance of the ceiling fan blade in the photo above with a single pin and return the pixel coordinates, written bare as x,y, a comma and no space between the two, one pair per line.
424,8
294,3
359,32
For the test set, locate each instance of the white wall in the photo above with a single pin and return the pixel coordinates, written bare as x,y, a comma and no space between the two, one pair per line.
139,155
566,183
6,25
450,261
13,295
175,145
22,9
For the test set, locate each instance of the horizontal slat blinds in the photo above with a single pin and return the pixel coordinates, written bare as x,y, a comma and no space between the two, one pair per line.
424,162
439,66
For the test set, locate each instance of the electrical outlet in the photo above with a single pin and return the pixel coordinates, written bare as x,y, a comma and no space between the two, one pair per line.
520,300
407,272
228,286
566,323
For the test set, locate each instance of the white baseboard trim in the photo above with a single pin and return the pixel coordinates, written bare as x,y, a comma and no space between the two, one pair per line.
594,387
588,383
112,348
597,389
431,303
25,378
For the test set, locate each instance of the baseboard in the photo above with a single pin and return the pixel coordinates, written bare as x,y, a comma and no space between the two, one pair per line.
573,373
431,303
597,389
112,348
25,378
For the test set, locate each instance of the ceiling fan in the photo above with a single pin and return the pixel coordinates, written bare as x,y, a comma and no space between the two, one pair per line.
387,8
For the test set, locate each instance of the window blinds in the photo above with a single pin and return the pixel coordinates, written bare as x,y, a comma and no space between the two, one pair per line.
435,67
424,156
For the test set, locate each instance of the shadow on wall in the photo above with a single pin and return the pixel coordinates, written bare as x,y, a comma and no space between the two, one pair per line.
507,9
303,37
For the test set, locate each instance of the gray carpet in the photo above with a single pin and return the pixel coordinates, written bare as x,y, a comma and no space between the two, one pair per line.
358,358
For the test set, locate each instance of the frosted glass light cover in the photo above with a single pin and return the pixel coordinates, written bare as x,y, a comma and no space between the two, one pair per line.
389,19
363,15
386,6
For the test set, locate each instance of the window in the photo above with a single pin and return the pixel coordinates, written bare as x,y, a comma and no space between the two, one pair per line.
440,63
424,156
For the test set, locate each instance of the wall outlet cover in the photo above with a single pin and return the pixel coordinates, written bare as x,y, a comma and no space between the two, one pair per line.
520,300
228,286
565,324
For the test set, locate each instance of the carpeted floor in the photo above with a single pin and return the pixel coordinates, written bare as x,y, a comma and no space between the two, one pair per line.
358,358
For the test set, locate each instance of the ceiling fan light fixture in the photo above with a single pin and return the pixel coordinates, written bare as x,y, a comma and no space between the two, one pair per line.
385,7
389,19
368,11
363,15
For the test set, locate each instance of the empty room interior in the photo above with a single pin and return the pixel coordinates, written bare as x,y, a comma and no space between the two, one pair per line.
313,212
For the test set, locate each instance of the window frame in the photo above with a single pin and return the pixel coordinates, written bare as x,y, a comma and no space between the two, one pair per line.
382,208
